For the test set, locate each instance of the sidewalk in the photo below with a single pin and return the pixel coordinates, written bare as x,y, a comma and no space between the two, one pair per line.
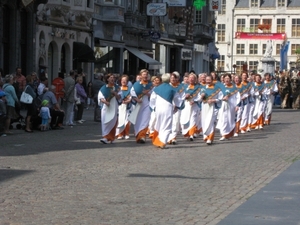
278,203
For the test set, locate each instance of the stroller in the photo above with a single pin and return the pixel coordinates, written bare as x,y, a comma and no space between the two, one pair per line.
19,119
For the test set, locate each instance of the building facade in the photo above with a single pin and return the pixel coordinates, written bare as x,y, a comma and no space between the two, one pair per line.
257,19
119,36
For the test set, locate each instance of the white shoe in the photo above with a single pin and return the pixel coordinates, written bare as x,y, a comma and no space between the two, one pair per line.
104,140
256,128
243,132
191,138
260,127
223,139
235,135
79,121
248,130
120,138
208,142
127,137
195,135
82,120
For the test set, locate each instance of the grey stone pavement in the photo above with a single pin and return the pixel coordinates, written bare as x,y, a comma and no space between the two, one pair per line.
69,177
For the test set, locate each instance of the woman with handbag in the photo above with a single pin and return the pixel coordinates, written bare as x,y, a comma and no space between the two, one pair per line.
11,101
29,89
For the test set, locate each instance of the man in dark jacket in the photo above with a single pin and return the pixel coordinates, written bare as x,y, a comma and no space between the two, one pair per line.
97,84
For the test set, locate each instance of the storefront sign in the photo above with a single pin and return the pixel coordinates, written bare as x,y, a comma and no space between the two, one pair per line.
174,3
154,36
186,54
156,9
268,36
199,48
214,5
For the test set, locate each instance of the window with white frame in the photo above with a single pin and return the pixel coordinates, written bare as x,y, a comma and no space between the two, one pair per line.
240,49
278,47
221,32
254,3
294,47
223,7
239,67
295,27
253,49
280,26
281,3
240,25
221,63
264,47
253,65
254,25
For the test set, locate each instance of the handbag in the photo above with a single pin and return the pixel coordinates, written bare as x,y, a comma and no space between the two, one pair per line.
25,97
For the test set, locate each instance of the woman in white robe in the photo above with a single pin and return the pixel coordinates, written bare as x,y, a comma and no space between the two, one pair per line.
226,122
108,98
270,89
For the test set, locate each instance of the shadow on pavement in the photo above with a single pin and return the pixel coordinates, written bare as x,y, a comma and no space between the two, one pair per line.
8,173
140,175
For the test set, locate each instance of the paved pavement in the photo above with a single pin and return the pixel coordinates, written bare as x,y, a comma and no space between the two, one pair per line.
69,177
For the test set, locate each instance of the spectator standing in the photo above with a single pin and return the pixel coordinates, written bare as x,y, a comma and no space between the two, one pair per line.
29,89
56,113
69,99
21,80
43,86
11,101
80,92
97,84
2,113
90,95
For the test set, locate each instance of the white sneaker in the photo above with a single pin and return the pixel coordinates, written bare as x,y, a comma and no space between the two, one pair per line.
243,132
248,130
260,127
208,142
79,121
120,138
82,120
104,140
195,135
256,128
235,135
223,139
191,138
127,137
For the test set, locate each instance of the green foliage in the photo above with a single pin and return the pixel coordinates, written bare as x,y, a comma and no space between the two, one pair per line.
297,51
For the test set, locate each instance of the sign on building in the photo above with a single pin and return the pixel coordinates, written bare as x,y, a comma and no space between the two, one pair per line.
156,9
178,3
214,5
186,54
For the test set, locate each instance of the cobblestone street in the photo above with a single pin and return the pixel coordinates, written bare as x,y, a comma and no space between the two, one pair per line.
68,177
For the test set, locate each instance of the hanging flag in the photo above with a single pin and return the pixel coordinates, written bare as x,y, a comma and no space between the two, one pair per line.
214,5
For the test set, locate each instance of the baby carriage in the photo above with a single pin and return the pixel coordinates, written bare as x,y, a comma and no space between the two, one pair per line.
20,122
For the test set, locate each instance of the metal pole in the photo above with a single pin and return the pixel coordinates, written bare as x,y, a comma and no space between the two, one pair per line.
232,34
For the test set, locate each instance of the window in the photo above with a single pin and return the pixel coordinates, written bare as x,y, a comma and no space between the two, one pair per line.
240,49
240,25
280,3
266,25
221,32
253,65
253,49
254,3
239,67
198,15
294,47
223,7
280,26
264,46
295,27
221,63
278,47
254,25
